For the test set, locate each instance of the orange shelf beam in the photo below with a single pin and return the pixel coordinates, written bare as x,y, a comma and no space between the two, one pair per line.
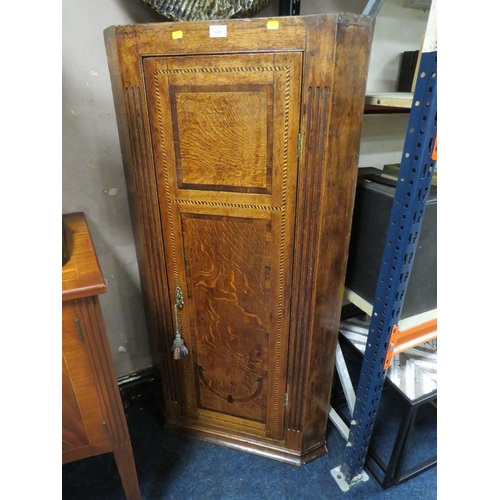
401,341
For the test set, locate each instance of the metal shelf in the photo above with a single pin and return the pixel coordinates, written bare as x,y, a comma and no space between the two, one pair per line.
388,102
404,324
390,99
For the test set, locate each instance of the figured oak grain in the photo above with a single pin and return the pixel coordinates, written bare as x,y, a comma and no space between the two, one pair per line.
239,159
228,264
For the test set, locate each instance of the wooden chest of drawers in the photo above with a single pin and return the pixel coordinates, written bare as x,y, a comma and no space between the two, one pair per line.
93,420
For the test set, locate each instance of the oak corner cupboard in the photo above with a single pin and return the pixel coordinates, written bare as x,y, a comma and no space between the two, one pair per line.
240,144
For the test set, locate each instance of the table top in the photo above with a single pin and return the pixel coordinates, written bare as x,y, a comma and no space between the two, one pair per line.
81,274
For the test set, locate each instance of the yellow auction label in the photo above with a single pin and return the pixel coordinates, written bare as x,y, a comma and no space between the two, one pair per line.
177,34
273,25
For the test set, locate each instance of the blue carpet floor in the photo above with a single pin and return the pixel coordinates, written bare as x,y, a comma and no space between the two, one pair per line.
171,466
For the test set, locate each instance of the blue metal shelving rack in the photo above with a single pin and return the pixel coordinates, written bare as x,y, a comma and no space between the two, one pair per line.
416,171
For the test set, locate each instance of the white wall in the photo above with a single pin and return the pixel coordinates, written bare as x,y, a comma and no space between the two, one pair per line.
91,165
92,173
397,29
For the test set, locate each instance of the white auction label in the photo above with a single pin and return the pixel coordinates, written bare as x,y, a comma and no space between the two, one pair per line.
218,31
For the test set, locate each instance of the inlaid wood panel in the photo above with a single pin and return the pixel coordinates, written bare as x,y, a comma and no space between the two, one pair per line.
222,126
228,267
241,159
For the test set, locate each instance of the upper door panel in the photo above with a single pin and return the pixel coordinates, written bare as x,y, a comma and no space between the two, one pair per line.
227,124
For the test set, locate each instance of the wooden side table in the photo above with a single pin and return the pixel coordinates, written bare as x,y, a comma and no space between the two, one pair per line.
93,420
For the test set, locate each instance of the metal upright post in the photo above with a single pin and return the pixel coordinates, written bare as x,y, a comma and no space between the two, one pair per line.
372,7
416,171
289,7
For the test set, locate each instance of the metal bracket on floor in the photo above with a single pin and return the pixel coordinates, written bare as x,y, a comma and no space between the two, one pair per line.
336,419
342,482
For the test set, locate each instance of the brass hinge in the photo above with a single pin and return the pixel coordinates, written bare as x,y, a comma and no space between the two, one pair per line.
299,145
105,427
286,399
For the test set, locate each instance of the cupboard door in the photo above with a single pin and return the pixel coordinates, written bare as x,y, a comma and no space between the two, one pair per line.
82,415
224,132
